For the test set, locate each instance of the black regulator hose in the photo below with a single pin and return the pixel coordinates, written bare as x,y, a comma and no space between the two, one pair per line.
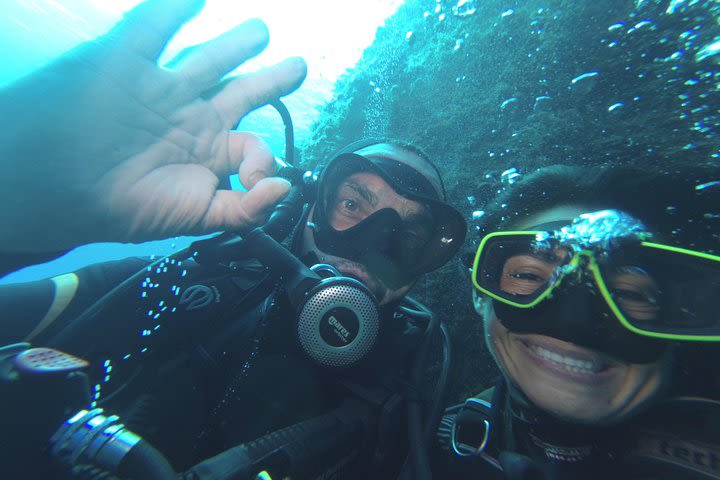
144,461
289,134
91,472
418,444
230,246
288,212
418,447
322,447
91,438
435,411
141,462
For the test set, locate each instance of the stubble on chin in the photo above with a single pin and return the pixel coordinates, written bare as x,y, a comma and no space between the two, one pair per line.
359,272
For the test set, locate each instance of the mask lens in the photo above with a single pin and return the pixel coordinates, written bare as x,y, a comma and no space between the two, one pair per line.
412,239
350,225
400,241
635,292
665,290
517,268
347,204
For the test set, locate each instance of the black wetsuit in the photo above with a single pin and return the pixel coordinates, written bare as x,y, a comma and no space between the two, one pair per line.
194,359
676,440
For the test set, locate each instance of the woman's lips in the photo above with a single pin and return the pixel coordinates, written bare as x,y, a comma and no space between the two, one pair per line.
566,361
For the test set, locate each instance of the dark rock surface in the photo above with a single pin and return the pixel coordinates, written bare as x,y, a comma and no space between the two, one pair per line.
625,81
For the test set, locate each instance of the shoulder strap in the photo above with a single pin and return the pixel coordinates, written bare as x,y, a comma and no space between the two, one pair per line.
474,428
470,434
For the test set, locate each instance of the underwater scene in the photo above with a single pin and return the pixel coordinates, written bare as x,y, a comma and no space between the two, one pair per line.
348,240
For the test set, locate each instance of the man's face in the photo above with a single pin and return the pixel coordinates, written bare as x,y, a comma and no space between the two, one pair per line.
356,197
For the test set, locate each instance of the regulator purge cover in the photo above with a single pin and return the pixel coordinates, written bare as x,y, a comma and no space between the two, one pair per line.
339,323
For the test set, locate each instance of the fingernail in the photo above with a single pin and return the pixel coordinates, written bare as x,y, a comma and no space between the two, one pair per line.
289,185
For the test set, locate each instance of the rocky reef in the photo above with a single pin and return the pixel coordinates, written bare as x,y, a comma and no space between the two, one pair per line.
495,89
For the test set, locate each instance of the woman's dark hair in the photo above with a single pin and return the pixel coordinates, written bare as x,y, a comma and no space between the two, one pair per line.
665,198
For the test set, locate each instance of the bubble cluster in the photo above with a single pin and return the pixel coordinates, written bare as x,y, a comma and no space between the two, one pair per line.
510,176
464,8
157,298
598,230
676,45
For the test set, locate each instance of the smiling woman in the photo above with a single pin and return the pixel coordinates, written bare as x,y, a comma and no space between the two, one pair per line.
591,307
546,352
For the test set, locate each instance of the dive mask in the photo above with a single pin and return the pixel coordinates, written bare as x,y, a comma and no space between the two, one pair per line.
651,289
384,239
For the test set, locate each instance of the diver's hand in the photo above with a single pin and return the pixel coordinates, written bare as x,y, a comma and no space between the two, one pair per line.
104,145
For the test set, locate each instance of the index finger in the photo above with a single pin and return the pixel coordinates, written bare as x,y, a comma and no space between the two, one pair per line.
239,95
147,28
204,65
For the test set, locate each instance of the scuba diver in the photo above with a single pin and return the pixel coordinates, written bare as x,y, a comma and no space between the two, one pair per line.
597,289
286,351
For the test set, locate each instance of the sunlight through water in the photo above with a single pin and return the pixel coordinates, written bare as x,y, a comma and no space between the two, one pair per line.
34,32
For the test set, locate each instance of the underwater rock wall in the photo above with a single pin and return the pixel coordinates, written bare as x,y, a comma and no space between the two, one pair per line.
489,86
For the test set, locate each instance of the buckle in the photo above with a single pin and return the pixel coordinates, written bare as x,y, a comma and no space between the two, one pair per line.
471,430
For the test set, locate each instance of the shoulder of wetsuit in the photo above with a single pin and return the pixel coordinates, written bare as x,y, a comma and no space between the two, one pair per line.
190,291
160,303
10,262
678,439
36,310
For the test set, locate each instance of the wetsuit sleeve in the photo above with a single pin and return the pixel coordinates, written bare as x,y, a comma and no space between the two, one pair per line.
33,311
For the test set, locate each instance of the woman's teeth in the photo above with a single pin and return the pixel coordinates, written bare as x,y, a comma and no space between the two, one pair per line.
572,364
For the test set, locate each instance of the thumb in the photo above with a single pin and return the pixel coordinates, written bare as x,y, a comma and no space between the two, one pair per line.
233,210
